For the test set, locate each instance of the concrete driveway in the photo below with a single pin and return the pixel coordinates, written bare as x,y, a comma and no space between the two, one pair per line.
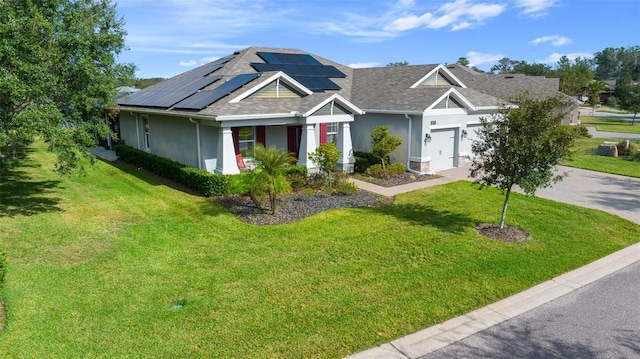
617,195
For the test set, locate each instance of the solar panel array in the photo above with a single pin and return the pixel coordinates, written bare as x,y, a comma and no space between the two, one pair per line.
176,89
303,68
202,99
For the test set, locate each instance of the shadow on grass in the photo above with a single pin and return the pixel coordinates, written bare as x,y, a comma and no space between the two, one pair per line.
20,194
445,221
509,341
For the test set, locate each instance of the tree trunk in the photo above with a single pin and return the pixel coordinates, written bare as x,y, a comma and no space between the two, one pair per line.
504,207
633,122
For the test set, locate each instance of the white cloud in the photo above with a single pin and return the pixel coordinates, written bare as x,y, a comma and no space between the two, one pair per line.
555,40
555,57
459,14
189,63
477,58
535,7
364,65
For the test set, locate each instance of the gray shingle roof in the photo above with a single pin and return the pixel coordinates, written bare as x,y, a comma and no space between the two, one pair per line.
380,88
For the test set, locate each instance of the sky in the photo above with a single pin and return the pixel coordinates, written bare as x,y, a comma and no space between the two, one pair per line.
168,37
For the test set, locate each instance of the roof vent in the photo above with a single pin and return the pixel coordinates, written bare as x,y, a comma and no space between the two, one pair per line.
509,77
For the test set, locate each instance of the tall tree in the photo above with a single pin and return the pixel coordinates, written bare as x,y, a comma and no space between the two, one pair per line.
528,69
504,66
58,72
463,61
521,146
574,75
614,62
628,93
401,63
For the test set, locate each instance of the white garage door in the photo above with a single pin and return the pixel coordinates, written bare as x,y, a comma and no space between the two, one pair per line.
443,149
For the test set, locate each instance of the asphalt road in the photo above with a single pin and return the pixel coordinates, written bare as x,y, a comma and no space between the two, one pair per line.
600,320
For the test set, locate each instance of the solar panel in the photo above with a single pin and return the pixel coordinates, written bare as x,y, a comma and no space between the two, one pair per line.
202,99
168,92
281,58
300,70
317,84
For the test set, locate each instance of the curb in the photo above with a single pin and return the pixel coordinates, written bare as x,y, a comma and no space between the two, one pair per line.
440,335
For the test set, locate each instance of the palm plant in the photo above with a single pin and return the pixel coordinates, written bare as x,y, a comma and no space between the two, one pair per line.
270,163
594,89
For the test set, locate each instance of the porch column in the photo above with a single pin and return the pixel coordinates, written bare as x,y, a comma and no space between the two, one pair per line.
226,153
344,145
307,145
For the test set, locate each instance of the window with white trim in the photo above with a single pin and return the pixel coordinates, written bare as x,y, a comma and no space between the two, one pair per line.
145,129
332,132
246,140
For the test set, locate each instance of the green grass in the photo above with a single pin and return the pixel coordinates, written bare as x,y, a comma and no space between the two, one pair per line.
584,157
97,262
606,124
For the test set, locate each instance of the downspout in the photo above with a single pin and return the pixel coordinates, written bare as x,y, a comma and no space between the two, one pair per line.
409,147
137,129
198,141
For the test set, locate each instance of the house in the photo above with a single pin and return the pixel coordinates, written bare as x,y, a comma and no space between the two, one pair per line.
212,116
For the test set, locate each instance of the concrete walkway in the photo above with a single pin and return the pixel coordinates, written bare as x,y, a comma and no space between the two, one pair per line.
606,193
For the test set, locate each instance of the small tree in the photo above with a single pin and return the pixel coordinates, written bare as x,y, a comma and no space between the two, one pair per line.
383,143
326,156
521,146
629,94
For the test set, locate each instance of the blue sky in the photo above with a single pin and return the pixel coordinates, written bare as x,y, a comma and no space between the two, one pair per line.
167,37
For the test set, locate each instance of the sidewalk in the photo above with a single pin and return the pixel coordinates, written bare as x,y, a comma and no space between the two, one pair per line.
453,330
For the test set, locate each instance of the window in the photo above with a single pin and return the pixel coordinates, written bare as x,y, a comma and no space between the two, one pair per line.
145,127
332,132
246,140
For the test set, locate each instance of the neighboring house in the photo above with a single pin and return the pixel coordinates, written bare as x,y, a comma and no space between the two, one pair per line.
211,116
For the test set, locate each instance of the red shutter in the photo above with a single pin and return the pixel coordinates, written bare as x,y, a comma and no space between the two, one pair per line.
261,135
323,133
236,140
294,134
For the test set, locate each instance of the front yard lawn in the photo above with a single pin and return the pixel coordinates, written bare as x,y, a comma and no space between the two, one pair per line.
606,124
113,264
586,158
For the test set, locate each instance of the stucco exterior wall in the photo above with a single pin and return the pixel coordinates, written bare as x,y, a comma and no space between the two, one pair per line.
128,133
276,136
363,126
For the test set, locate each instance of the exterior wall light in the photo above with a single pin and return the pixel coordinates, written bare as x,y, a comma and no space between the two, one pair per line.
464,133
427,138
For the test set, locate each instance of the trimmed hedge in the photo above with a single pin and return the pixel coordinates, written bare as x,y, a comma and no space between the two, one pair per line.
208,184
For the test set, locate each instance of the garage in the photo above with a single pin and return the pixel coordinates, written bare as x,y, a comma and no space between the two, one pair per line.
443,149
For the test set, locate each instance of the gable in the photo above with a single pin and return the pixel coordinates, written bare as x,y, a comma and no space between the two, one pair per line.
439,76
277,89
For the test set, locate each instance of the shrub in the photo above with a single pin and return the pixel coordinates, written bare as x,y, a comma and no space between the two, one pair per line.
612,102
581,131
396,169
375,171
297,176
365,160
636,156
208,184
326,156
347,188
623,150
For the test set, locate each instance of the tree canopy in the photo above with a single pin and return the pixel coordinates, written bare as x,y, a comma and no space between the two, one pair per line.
521,146
629,94
58,71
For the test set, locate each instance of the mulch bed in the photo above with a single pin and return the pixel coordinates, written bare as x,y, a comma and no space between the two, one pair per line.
404,178
506,234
